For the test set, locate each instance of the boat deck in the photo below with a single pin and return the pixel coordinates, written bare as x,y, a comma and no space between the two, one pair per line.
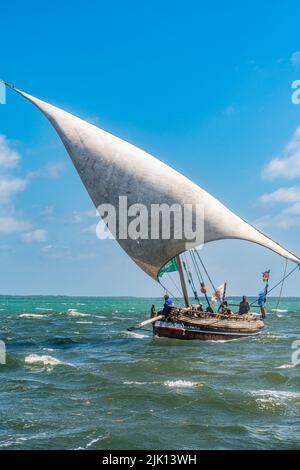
234,323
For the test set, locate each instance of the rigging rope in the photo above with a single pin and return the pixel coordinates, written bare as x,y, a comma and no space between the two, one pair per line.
168,290
281,288
205,270
190,278
200,277
197,269
174,283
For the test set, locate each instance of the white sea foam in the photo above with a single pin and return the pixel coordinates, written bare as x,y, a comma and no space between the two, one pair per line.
278,394
44,359
93,441
180,384
123,318
286,366
31,315
44,309
85,322
75,313
132,382
136,335
278,310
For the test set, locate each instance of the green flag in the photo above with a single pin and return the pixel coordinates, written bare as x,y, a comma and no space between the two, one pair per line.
169,267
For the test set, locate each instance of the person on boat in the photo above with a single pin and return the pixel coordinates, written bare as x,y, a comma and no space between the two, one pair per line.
262,299
223,308
167,305
244,306
263,312
153,311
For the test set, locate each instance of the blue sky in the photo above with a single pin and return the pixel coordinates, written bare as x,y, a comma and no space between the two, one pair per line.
206,88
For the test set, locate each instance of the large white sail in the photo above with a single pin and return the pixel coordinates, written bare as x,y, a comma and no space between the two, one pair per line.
109,167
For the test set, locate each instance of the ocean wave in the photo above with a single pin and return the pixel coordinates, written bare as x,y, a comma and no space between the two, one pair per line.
134,382
278,310
44,359
135,335
123,318
76,313
278,394
44,309
85,322
286,366
31,315
181,384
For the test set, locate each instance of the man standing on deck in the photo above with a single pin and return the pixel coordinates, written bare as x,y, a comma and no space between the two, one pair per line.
244,306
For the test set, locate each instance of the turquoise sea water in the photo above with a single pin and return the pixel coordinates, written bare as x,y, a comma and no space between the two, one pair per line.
74,378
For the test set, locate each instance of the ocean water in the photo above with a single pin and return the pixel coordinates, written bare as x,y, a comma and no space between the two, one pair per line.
74,378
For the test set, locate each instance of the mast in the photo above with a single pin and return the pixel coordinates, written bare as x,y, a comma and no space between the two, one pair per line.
182,281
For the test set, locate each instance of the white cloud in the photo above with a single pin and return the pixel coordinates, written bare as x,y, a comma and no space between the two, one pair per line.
295,59
38,235
229,111
12,225
51,170
54,170
90,229
79,217
56,252
9,186
282,221
293,210
286,166
282,195
9,158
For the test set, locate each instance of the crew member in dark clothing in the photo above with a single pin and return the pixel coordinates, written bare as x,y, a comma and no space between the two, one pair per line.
244,306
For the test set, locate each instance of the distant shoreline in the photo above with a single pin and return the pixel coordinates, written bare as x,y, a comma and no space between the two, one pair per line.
120,297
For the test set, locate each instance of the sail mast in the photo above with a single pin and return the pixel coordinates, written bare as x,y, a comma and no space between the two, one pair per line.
182,281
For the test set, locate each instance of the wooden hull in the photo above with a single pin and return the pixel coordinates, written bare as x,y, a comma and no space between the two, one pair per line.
181,330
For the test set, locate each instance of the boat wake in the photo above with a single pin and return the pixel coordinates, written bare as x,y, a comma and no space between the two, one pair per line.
133,334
